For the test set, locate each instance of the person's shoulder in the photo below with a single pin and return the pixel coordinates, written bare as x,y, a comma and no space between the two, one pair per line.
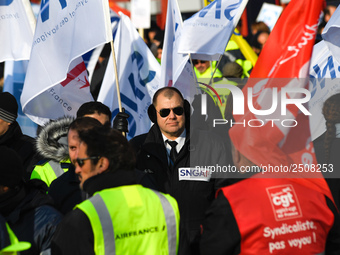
49,213
139,138
137,141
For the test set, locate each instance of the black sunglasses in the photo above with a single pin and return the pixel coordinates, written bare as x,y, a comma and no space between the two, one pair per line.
195,61
81,161
166,111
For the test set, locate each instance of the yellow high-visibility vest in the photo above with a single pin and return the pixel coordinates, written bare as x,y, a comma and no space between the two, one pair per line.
133,220
50,170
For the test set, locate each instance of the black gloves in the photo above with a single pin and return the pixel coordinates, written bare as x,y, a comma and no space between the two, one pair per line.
120,122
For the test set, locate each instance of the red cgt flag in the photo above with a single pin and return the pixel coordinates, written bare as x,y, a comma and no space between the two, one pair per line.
282,136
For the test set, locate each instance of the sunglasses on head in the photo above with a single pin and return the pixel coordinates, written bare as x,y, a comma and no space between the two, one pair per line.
81,161
166,111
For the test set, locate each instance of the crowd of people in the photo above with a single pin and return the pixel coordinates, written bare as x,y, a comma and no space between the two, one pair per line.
87,190
80,187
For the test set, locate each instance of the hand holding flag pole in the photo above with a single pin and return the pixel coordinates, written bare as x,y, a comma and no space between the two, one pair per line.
117,80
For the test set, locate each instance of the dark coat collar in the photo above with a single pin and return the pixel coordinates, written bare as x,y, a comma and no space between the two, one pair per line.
12,133
108,180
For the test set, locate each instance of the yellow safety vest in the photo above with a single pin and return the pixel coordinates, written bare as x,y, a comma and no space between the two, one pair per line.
49,171
245,64
133,220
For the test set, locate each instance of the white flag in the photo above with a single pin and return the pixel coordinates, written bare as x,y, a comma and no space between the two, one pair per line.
65,31
176,69
16,30
324,73
138,73
206,34
91,57
331,34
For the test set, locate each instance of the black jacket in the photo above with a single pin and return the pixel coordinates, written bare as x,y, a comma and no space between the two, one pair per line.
65,191
22,144
330,168
74,235
30,214
201,148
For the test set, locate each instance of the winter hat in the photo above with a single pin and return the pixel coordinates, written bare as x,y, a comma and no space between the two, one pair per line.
232,70
8,107
11,167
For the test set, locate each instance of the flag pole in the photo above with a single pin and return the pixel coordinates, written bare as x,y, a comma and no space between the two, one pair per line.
117,80
212,76
193,72
116,75
141,32
192,66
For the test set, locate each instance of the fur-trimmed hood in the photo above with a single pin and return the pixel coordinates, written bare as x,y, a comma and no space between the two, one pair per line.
47,142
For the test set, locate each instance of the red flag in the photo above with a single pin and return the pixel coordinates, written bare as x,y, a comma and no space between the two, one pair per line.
282,138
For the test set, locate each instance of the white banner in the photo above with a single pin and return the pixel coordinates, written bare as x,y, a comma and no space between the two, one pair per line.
91,58
141,13
176,69
206,34
331,34
65,31
324,73
269,14
138,72
17,25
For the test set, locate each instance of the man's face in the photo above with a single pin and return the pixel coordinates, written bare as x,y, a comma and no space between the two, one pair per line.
73,145
102,118
201,65
87,170
4,126
172,125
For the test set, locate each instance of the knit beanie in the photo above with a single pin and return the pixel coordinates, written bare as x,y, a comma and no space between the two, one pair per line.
11,167
8,107
232,70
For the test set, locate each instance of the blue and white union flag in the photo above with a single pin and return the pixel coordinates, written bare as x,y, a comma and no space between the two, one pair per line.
56,81
206,34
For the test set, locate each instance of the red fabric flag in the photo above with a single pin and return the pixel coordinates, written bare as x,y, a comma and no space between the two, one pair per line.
115,7
282,138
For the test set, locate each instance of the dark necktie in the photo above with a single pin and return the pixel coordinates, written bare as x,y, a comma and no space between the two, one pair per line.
173,152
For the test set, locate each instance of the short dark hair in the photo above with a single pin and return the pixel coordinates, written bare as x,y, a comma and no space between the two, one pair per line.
111,144
93,107
84,123
169,92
